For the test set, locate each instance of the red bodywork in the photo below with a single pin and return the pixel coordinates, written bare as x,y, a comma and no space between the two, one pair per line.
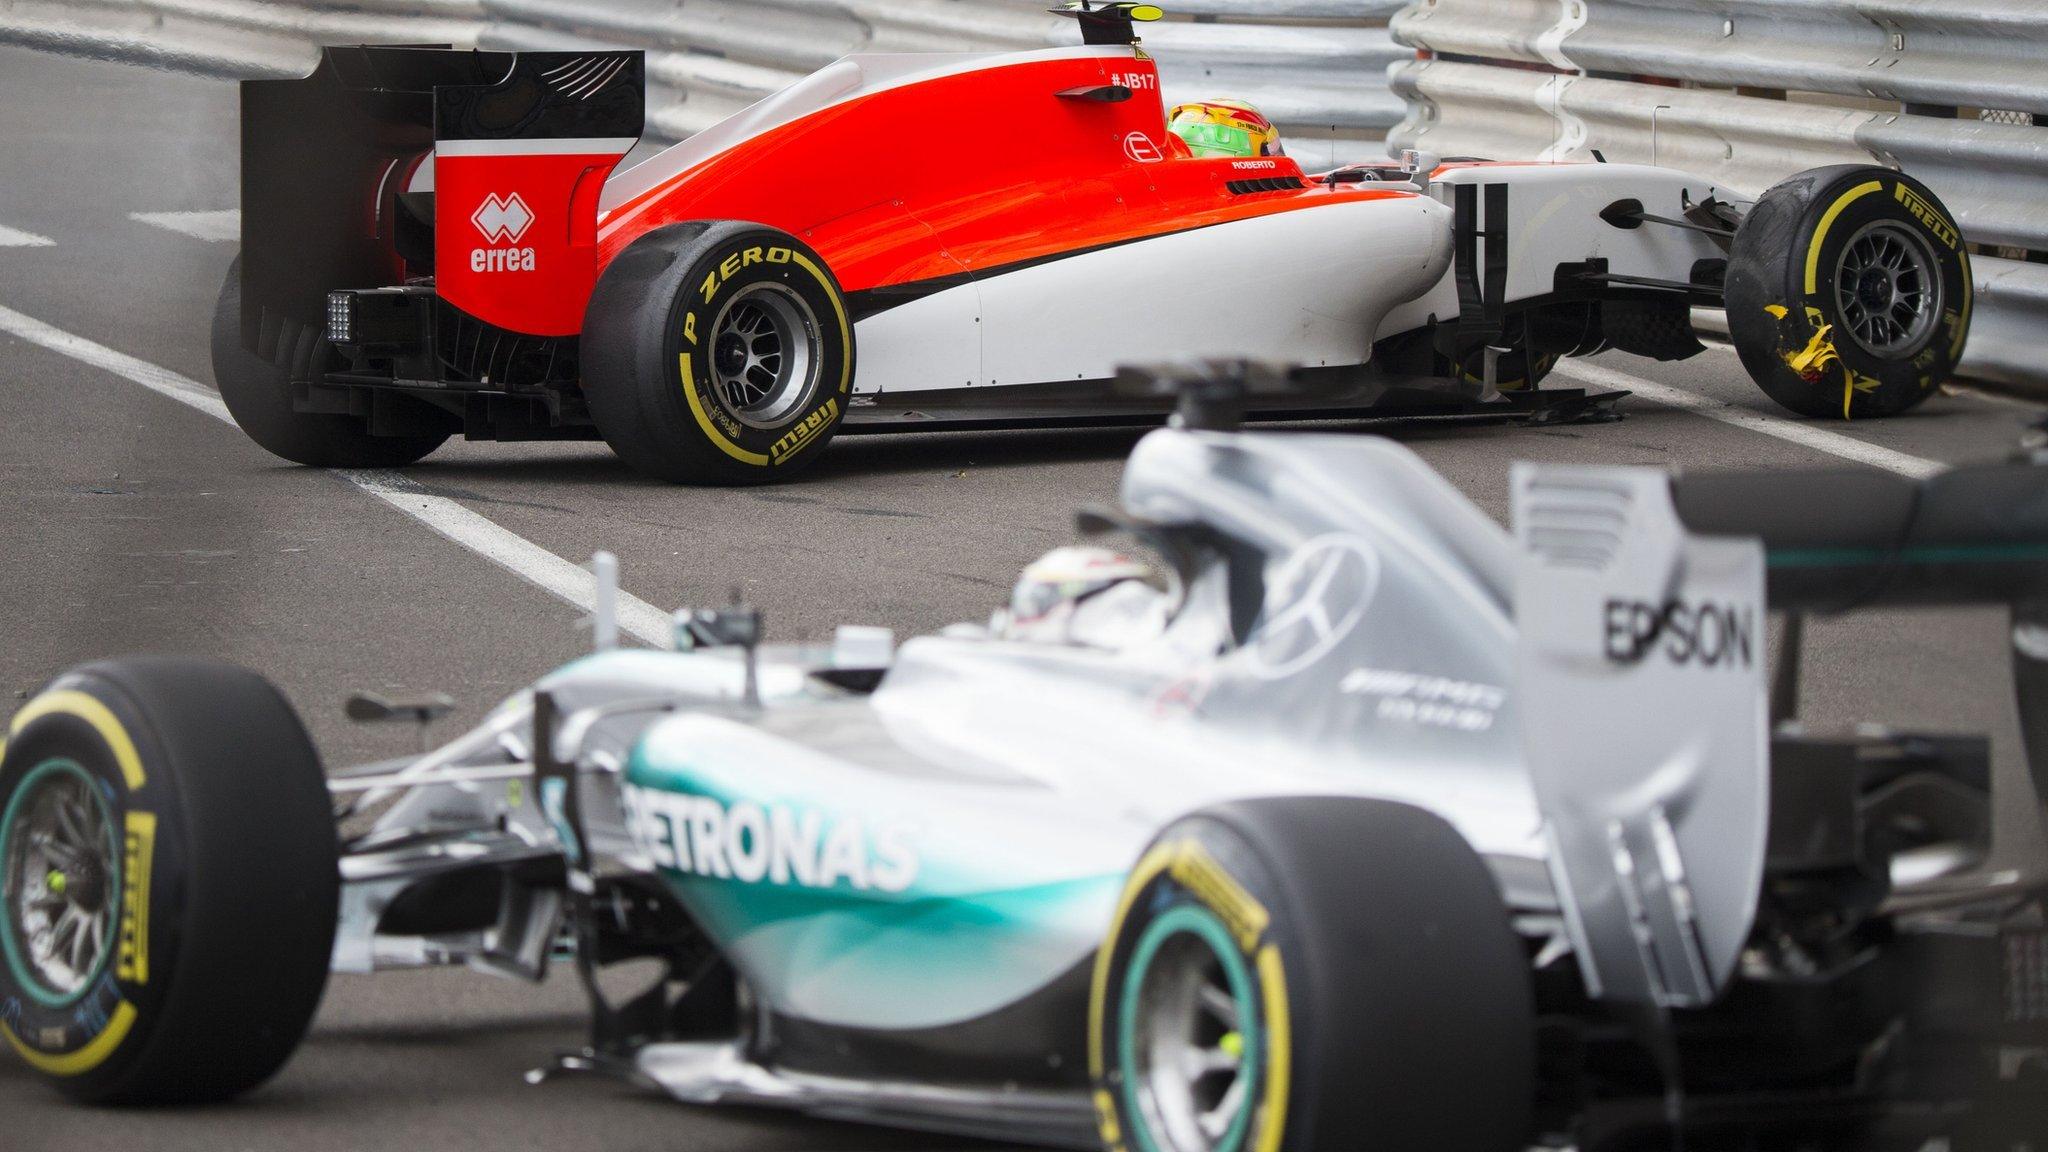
535,278
948,176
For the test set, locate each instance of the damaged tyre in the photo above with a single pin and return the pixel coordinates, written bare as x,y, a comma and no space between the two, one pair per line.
1848,292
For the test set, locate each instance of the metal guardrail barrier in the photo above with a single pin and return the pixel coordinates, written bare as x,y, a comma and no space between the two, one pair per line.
1317,67
230,38
1748,92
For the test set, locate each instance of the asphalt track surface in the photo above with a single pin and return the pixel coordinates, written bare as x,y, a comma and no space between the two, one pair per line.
133,522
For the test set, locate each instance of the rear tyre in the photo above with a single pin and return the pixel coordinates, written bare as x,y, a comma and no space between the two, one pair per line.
717,352
1310,974
1848,292
168,882
258,392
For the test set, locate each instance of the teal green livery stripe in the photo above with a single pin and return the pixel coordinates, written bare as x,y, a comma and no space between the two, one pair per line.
741,907
1932,554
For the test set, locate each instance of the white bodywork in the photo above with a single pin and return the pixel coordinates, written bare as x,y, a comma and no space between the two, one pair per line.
1307,287
1315,287
1554,218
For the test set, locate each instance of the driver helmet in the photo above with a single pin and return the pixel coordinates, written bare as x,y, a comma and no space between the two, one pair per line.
1224,128
1083,595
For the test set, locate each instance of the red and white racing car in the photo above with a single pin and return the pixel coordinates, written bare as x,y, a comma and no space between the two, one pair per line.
437,242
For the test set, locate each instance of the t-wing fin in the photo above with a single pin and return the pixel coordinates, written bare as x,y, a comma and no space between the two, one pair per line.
1644,725
1109,21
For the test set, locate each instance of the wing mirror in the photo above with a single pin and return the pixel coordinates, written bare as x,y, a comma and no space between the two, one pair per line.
370,708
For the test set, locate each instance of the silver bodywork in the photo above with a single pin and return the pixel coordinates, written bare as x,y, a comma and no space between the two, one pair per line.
1351,629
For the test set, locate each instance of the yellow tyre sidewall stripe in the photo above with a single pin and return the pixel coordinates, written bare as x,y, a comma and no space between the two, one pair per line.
1279,1048
717,434
82,705
1969,298
1827,221
711,429
1186,856
1154,863
72,702
85,1059
839,307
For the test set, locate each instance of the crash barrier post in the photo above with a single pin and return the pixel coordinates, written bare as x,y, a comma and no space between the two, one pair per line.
1747,92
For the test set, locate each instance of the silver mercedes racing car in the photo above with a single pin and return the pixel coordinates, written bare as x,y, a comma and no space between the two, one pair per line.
1378,826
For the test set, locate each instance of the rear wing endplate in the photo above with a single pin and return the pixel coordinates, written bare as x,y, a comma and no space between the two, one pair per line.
1641,601
1642,660
326,160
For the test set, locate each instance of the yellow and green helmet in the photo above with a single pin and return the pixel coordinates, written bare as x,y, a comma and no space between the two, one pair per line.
1224,128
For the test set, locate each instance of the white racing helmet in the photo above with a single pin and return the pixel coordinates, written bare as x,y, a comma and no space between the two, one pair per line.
1093,597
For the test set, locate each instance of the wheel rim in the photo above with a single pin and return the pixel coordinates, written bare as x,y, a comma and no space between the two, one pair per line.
62,883
1190,1039
764,353
1887,289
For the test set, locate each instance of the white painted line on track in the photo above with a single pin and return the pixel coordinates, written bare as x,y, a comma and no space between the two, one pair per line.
16,238
478,534
183,389
225,224
511,551
1803,434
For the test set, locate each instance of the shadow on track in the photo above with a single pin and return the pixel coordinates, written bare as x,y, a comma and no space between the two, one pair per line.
880,454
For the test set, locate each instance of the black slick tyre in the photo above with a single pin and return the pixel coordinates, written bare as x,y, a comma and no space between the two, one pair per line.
168,882
717,352
257,388
1342,974
1849,292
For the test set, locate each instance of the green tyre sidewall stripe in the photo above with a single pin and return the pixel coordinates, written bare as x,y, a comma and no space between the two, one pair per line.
1198,921
8,944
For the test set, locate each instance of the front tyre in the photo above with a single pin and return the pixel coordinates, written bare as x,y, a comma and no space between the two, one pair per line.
1848,292
1310,974
717,352
168,882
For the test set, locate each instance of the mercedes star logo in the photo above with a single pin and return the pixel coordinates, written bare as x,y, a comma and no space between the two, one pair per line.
1315,599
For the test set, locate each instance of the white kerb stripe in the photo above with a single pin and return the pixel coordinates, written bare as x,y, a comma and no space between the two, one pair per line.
566,146
213,227
1796,432
16,238
507,549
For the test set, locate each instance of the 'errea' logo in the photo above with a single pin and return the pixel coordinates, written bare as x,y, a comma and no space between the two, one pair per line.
502,219
1140,147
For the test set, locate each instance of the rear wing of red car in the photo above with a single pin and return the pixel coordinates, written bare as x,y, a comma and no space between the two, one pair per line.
388,165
